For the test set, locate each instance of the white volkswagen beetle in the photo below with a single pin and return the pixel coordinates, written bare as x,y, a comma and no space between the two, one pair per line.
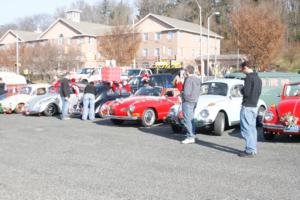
51,103
218,106
17,102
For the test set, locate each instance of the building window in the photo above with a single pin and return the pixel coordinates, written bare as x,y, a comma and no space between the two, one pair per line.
170,35
157,52
69,41
61,39
145,36
98,55
157,36
79,41
169,52
91,40
145,52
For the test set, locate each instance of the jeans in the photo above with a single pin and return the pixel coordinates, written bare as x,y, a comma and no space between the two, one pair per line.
188,109
248,128
88,106
65,108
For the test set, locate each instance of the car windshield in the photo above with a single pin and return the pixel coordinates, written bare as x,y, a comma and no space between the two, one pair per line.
214,88
149,91
133,72
86,70
25,90
292,90
134,81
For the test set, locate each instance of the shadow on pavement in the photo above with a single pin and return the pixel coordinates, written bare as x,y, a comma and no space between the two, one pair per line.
165,131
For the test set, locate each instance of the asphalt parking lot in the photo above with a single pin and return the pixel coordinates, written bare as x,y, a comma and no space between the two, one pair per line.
44,158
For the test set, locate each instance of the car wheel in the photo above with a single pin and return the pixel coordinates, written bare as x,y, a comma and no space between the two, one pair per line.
117,121
176,128
260,116
219,125
50,110
148,118
269,136
20,108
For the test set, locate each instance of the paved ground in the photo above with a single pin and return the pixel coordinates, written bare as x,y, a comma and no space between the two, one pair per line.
44,158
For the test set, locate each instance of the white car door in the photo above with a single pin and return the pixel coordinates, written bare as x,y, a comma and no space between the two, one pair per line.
235,103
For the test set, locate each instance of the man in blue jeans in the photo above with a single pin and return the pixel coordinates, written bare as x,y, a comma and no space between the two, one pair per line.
89,102
251,92
191,92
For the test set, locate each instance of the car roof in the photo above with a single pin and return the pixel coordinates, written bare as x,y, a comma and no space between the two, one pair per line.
227,81
39,85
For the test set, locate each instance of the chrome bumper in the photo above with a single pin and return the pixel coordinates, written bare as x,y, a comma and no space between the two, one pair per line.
198,123
273,126
121,117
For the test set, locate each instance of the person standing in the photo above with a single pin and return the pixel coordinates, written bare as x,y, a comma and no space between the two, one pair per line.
65,91
2,86
89,102
191,93
251,92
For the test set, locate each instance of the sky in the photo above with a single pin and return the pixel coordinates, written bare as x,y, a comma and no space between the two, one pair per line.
10,10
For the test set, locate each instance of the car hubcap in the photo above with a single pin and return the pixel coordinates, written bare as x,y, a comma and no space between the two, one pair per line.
149,116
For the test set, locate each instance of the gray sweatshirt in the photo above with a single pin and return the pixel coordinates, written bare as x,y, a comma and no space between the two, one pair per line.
191,89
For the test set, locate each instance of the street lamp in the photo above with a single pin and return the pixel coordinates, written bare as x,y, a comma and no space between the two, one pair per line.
200,23
133,38
17,53
208,35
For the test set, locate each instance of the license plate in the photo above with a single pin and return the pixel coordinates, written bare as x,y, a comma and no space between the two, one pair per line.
292,129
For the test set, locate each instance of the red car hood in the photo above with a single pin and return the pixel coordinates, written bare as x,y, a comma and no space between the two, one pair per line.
126,102
289,105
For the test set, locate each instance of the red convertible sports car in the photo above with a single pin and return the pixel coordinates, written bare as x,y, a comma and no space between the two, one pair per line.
148,105
284,119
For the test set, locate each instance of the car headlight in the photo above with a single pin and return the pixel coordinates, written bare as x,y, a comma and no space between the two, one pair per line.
269,116
204,113
131,108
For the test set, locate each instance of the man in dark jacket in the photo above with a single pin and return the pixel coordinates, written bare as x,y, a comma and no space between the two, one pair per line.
191,92
251,92
2,87
65,91
89,102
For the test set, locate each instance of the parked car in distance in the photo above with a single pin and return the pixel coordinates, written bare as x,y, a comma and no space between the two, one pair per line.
12,82
163,80
284,118
16,103
131,73
147,105
51,104
218,107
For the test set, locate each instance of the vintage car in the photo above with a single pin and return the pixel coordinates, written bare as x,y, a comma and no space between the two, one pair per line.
218,107
148,105
51,103
163,80
284,119
15,103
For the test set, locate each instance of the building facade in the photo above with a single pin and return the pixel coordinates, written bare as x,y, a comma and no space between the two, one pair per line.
163,38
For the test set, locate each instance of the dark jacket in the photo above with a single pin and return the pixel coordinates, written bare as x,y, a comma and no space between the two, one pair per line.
251,90
191,89
65,89
91,89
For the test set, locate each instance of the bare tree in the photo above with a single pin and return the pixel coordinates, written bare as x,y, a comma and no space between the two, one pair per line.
258,34
121,44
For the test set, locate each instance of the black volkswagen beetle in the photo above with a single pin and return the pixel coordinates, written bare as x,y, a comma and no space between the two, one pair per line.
104,93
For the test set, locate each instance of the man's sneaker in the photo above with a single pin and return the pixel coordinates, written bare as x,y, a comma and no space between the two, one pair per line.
188,141
245,154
